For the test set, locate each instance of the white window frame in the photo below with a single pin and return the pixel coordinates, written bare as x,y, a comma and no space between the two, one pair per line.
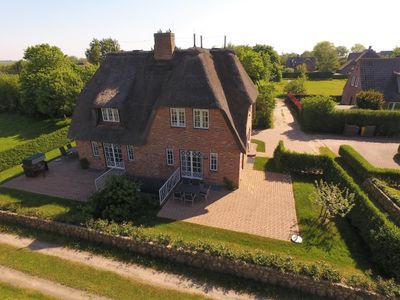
353,79
110,115
356,82
169,156
178,117
95,149
130,151
213,161
201,118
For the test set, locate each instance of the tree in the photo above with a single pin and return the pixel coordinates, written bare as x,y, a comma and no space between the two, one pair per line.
273,58
265,105
306,54
396,51
370,99
326,56
334,202
256,65
98,49
358,48
10,92
342,52
49,82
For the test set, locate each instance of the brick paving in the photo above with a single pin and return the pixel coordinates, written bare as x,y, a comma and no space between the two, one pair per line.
263,205
379,151
65,179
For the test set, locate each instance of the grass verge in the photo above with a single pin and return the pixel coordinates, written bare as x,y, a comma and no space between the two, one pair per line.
10,292
260,145
264,164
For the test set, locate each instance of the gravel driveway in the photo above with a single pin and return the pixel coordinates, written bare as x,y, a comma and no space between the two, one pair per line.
378,151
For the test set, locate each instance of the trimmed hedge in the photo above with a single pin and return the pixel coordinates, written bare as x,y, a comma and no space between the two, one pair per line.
378,232
364,169
317,75
44,143
387,122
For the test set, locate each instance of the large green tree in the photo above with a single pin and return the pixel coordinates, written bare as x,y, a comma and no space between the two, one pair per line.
273,58
256,65
10,91
49,82
358,48
396,51
98,49
327,56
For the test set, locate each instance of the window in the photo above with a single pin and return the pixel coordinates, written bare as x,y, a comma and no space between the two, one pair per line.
178,118
170,157
356,83
394,106
131,152
213,161
352,80
110,114
200,118
95,149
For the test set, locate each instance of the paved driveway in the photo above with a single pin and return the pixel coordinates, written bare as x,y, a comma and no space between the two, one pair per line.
379,151
263,205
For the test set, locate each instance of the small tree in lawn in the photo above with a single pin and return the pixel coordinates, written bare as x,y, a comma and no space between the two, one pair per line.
334,202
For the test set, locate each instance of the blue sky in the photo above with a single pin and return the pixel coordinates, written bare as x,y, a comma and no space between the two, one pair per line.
288,25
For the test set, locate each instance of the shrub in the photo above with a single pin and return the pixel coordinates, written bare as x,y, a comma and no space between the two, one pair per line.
388,191
315,111
10,92
296,86
370,100
43,143
265,105
120,200
84,163
229,184
364,169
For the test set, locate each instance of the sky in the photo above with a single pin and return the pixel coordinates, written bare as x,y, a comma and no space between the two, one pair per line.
287,25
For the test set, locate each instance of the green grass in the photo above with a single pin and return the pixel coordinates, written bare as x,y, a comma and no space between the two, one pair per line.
9,292
331,87
260,145
16,129
264,164
83,277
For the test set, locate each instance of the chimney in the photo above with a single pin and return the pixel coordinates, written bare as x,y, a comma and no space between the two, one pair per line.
164,45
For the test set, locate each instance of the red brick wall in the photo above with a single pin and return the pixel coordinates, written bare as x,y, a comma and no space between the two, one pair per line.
349,92
150,159
164,45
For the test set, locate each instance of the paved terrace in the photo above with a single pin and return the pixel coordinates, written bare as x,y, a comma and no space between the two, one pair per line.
378,151
263,205
65,179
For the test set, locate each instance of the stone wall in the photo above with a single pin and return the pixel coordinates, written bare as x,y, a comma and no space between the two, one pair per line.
379,196
191,258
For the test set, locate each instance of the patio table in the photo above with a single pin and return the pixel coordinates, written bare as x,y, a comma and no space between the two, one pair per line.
187,188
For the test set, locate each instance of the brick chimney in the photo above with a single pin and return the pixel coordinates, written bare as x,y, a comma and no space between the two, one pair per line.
164,45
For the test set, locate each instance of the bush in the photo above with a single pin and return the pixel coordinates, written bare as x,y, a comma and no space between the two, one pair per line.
378,232
120,200
10,92
318,75
296,86
315,111
44,143
265,105
84,163
370,100
364,169
229,184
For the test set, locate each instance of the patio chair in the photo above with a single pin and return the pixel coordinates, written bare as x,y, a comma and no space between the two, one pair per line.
69,153
204,192
189,197
177,196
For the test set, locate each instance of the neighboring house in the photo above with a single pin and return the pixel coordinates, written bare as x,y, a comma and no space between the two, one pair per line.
294,62
152,112
386,53
380,74
354,57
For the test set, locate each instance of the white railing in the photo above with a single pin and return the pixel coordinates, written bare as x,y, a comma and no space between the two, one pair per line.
169,185
100,181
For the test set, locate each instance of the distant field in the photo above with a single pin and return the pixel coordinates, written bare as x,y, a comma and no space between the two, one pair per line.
317,87
6,62
16,129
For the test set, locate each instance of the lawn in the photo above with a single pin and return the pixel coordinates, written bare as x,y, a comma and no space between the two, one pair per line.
260,145
331,87
9,292
83,277
340,247
16,129
264,164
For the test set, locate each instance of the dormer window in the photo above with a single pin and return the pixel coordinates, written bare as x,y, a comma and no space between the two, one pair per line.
110,114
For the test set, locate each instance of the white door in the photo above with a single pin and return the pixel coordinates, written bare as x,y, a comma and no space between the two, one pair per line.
113,156
191,164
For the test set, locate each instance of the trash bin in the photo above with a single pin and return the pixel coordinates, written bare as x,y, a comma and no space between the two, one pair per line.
351,130
368,130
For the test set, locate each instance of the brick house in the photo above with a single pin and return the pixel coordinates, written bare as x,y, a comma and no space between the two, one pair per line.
152,112
354,57
380,74
309,62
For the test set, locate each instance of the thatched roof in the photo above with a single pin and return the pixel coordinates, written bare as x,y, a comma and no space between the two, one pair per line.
136,84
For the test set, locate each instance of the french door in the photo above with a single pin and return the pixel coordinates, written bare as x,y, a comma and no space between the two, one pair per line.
191,164
113,156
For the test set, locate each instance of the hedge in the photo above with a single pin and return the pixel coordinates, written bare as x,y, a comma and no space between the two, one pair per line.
364,169
311,75
387,122
44,143
378,232
340,76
